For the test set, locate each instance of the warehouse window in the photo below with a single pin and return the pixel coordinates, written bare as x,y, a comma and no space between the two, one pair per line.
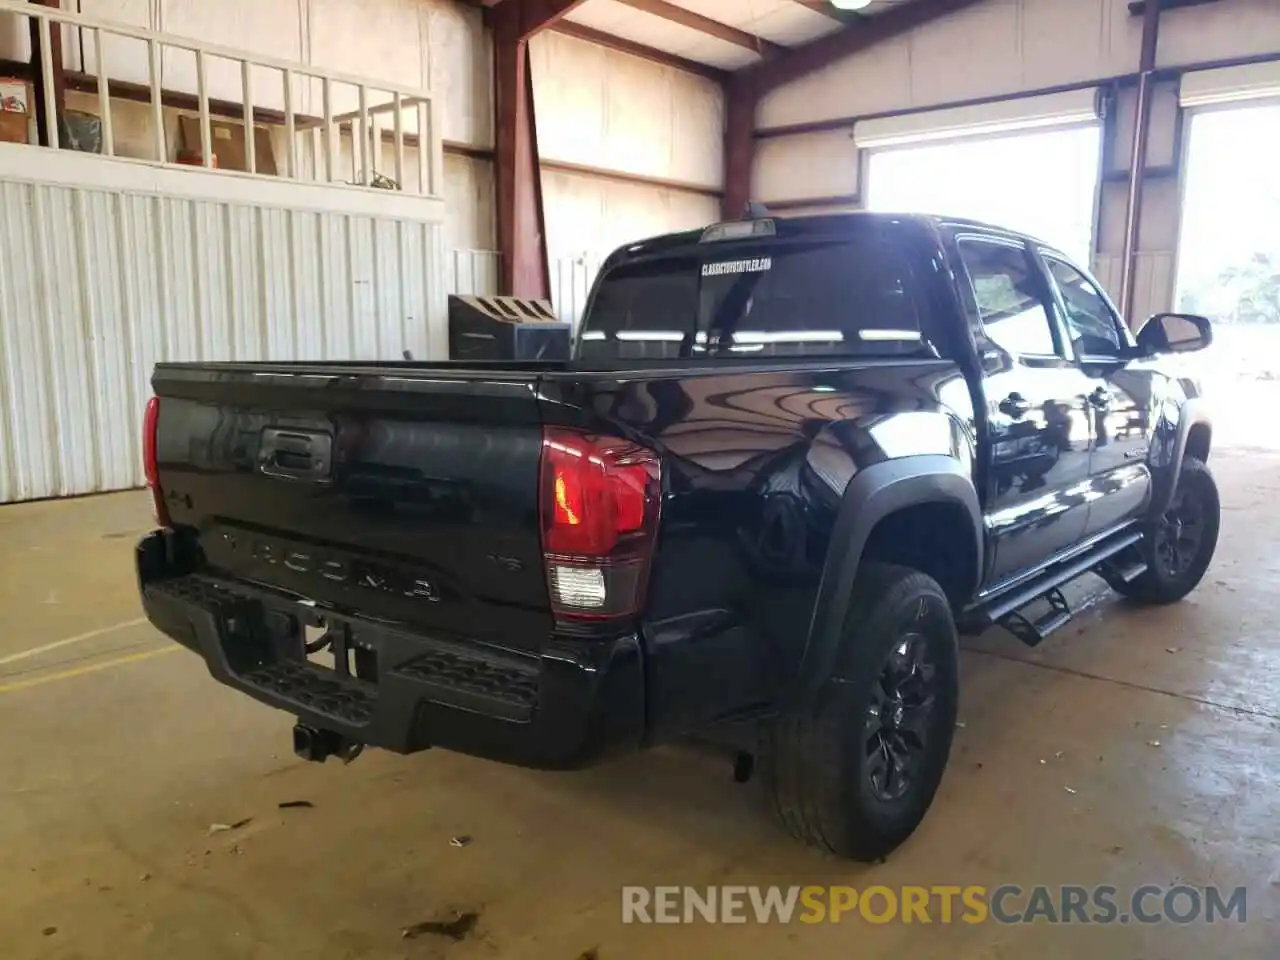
1229,266
1229,263
1040,183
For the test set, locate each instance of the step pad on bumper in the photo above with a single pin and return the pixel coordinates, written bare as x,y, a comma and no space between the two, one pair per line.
507,690
439,670
569,705
347,700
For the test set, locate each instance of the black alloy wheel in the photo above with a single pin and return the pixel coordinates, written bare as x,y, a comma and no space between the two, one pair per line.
1179,533
1178,544
853,766
903,700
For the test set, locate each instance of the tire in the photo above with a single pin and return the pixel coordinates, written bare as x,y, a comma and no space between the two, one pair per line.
819,761
1195,500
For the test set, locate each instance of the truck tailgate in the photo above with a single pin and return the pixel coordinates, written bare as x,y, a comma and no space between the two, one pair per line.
280,471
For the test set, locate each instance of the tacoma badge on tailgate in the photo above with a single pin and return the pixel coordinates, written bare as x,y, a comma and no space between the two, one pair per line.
262,558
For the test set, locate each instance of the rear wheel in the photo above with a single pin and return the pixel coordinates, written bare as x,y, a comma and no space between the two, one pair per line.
1178,545
855,771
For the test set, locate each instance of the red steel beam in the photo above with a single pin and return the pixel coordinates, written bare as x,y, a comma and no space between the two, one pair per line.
622,45
522,246
1138,160
705,25
740,101
869,31
524,18
745,87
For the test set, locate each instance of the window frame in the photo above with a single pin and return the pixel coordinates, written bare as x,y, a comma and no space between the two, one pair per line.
1047,256
1047,294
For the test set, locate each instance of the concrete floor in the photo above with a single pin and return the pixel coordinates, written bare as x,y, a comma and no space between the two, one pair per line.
119,752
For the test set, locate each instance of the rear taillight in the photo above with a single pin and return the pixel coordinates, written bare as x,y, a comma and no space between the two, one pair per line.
150,464
599,502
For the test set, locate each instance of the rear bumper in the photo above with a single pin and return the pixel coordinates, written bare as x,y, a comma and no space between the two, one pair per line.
575,703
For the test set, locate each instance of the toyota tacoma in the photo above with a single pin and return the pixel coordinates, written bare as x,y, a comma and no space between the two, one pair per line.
787,463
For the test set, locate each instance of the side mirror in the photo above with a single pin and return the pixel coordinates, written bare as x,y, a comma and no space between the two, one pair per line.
1174,333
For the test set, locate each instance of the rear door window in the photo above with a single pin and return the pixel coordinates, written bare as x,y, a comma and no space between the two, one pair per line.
1011,300
851,297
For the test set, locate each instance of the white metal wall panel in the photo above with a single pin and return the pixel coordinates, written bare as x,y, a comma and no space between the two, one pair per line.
591,216
470,211
473,271
570,100
459,51
1007,46
1219,31
946,51
382,38
998,47
269,27
604,109
874,81
807,165
1076,40
100,284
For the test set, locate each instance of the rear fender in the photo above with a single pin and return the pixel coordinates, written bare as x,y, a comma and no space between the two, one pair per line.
873,494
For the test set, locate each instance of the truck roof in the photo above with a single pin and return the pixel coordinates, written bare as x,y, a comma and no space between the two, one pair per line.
816,226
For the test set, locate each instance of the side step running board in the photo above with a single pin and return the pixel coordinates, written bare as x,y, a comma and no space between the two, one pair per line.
1032,632
1128,572
1005,607
1056,576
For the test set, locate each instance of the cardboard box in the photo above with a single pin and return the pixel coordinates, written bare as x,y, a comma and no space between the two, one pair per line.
16,111
228,144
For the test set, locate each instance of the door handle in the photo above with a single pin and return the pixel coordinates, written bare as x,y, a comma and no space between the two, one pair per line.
1015,405
1100,398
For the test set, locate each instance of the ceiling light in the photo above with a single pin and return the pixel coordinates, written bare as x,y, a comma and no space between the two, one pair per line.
851,4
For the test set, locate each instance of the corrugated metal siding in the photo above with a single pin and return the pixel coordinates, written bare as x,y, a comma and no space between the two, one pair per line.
571,279
98,286
473,272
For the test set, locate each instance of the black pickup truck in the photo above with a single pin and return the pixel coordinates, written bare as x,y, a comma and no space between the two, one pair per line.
789,461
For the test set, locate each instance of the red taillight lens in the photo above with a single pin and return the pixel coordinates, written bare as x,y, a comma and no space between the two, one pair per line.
150,463
599,511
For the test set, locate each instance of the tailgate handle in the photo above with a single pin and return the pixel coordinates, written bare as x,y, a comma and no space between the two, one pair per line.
296,455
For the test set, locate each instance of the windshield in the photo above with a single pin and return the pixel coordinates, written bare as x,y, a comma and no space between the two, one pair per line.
852,297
